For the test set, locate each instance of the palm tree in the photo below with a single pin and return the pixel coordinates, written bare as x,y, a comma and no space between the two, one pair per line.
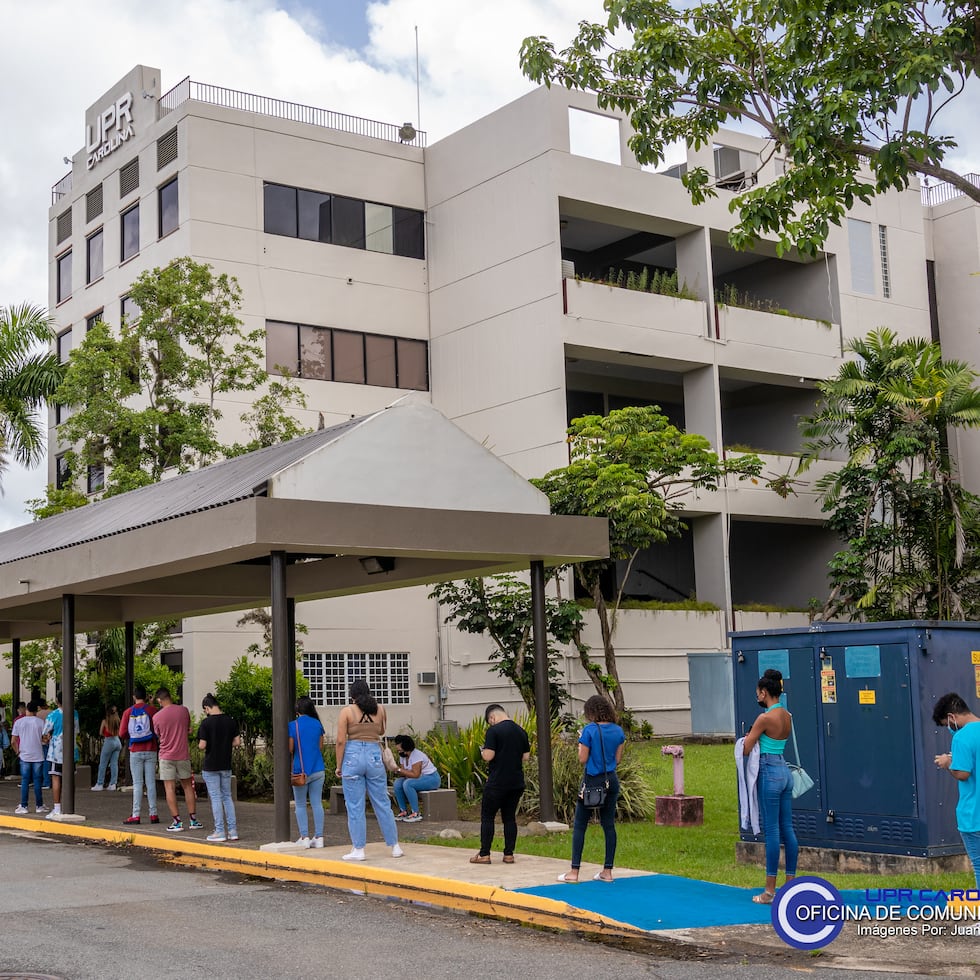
29,374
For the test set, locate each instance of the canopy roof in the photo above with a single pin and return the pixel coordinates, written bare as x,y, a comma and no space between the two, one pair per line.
404,484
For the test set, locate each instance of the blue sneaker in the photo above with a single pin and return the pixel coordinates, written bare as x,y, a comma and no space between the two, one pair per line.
194,824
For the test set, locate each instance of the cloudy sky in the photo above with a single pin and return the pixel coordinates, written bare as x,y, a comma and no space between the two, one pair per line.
353,56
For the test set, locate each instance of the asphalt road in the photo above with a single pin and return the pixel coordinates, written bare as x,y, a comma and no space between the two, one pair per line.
91,911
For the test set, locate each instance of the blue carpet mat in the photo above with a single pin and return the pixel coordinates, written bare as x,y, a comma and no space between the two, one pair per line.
667,902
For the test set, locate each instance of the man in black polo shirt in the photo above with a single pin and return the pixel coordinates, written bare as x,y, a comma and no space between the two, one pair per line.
506,747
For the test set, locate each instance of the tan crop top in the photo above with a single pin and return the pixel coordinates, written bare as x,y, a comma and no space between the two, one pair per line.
366,729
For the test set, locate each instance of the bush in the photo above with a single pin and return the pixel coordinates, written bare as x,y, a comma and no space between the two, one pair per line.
458,759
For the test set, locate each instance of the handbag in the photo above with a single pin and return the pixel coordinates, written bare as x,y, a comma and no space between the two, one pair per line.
802,781
388,758
594,795
298,778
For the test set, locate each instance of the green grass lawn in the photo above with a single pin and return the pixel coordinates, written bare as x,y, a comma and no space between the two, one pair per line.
706,852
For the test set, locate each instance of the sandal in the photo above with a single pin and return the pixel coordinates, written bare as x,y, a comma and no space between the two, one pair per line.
763,898
566,880
401,814
598,876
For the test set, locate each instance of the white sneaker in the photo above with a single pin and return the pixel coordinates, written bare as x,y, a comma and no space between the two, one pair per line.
112,787
41,809
304,842
317,842
97,789
21,810
356,854
397,852
53,815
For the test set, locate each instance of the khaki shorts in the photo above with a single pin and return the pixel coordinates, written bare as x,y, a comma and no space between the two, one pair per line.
171,769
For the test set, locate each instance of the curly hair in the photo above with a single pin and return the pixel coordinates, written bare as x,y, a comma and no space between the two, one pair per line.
599,708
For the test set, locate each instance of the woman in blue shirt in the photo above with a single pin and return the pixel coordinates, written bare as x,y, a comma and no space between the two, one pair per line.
306,748
600,747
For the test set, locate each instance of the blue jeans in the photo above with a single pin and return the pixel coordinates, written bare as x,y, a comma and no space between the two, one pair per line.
109,759
143,766
607,817
31,772
776,806
218,783
971,841
364,773
407,790
313,788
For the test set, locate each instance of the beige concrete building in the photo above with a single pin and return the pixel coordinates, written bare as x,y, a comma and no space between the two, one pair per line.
469,274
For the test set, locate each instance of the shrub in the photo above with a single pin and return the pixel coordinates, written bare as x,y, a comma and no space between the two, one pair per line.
458,759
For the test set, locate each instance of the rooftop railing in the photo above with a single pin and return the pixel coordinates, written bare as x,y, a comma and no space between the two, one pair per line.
61,189
938,193
229,98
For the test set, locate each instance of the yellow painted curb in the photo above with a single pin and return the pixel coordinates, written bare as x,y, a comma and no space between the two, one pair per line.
443,892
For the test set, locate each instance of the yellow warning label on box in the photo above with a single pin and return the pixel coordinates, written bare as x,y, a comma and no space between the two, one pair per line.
866,697
975,656
976,675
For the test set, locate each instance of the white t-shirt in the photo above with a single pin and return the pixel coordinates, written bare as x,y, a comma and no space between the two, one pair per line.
28,730
419,756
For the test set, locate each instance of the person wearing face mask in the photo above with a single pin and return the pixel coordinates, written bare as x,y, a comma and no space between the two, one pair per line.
961,762
770,731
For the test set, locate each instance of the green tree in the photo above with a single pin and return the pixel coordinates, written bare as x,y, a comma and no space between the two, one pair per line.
500,607
633,467
912,532
143,401
850,93
28,376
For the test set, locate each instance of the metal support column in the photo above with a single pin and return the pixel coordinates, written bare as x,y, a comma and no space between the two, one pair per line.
542,692
68,703
291,626
14,678
283,664
129,660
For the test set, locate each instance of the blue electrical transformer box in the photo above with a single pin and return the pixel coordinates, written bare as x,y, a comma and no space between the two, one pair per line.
861,696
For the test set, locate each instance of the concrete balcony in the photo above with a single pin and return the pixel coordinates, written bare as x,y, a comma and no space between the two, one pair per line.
753,498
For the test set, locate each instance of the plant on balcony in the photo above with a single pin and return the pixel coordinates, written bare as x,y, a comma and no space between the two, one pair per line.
664,282
730,295
912,531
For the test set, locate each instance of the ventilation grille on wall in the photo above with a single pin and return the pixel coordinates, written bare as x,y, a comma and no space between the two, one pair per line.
567,269
129,177
93,203
64,225
167,148
426,678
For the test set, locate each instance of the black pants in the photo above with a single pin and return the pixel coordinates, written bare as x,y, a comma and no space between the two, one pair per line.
506,801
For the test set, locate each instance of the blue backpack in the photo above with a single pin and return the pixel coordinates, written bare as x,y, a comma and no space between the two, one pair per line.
140,725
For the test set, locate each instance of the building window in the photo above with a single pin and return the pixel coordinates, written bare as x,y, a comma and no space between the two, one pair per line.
64,277
859,245
886,279
63,226
129,178
173,660
331,675
92,319
320,217
128,310
167,200
129,233
62,472
325,354
93,203
167,148
96,477
93,257
64,345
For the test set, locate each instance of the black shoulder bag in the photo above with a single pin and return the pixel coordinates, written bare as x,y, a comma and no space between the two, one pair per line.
594,795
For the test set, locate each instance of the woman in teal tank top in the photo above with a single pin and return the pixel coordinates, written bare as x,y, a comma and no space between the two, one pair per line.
775,786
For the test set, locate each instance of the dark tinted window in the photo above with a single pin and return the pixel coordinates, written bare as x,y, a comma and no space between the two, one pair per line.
348,222
409,239
314,216
92,320
64,276
128,309
96,477
280,210
281,347
380,360
62,472
169,218
93,257
315,359
130,233
348,356
413,369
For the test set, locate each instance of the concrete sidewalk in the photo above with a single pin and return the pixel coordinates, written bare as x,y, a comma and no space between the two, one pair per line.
442,876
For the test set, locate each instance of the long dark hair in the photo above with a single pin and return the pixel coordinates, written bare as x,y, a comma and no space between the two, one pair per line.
305,706
361,695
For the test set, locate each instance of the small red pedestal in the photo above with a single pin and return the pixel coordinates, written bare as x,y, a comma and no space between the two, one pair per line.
680,811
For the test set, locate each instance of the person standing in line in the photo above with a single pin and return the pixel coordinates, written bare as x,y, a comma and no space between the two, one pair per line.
136,728
415,774
360,728
111,747
172,724
26,740
306,736
775,785
42,713
506,748
600,747
962,762
217,735
52,734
